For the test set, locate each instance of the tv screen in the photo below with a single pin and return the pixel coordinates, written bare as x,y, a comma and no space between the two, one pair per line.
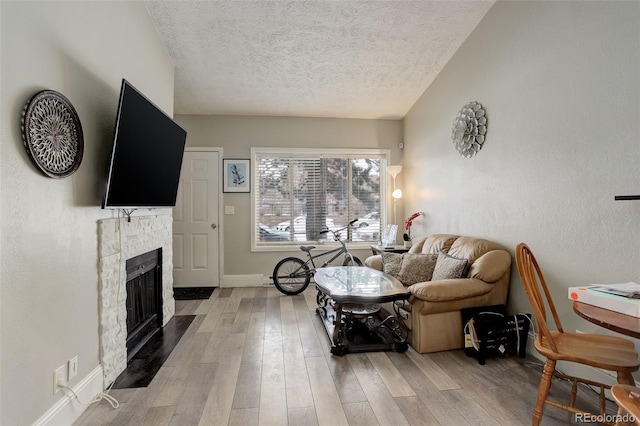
147,155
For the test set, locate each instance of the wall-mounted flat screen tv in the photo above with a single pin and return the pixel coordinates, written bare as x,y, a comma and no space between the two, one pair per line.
147,155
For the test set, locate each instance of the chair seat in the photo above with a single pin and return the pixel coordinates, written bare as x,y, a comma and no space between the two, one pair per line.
597,350
627,399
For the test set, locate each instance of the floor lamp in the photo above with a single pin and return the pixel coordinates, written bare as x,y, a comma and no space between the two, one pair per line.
397,193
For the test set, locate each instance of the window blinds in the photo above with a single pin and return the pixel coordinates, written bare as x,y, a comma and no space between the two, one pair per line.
311,192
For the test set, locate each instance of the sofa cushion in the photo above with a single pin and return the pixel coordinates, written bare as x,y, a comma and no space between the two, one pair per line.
434,244
391,263
417,268
374,262
450,290
409,268
491,266
449,267
471,248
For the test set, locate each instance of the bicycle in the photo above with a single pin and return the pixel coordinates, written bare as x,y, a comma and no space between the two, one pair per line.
292,275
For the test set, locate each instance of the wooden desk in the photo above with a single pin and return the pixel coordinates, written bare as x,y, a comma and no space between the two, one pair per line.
621,323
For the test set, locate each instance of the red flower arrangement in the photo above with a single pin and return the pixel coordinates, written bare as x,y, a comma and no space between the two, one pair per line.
407,225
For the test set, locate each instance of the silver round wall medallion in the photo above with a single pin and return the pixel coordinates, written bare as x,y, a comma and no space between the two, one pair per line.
469,129
52,134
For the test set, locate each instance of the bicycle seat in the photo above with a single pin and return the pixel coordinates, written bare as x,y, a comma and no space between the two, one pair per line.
307,248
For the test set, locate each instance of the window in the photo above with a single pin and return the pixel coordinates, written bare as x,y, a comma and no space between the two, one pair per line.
299,193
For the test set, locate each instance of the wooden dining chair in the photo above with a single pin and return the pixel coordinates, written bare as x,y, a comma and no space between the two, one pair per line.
595,350
628,400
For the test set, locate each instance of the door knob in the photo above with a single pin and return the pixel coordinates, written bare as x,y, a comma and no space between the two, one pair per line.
214,226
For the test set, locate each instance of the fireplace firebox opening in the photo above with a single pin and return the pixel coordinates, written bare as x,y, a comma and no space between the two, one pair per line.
144,299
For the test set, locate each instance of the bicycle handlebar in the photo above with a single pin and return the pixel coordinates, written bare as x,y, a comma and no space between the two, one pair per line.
325,231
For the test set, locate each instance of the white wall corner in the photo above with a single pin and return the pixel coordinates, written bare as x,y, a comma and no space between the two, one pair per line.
68,409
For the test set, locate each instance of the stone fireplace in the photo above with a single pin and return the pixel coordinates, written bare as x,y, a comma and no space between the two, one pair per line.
118,241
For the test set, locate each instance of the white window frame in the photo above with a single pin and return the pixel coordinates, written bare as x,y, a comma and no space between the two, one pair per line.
306,152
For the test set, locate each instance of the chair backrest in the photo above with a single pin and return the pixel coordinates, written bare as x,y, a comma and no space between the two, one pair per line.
533,282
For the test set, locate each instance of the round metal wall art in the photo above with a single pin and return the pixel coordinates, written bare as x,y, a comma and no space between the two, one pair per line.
52,134
469,129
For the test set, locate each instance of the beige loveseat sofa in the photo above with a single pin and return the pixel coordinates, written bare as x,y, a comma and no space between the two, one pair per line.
433,310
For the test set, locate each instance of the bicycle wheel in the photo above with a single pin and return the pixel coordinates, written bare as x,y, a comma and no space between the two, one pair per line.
348,262
291,276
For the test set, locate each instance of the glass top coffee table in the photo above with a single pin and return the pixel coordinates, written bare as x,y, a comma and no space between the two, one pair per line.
349,304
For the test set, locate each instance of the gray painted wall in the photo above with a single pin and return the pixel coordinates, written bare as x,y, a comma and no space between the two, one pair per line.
48,279
237,134
559,82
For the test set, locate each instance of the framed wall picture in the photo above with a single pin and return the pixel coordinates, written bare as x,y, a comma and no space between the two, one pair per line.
236,175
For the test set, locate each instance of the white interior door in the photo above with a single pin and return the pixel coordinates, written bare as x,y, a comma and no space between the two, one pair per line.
196,251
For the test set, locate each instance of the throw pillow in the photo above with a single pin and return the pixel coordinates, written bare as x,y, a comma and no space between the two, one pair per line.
409,268
449,267
417,268
391,263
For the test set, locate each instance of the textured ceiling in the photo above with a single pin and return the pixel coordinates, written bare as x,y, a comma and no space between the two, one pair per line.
352,59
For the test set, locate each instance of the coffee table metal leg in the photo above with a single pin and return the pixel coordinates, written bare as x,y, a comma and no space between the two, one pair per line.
331,314
398,331
338,331
322,300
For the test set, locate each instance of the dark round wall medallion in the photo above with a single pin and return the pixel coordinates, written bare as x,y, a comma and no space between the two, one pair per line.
52,134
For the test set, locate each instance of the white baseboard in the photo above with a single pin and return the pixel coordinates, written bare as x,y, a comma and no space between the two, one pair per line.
252,280
67,410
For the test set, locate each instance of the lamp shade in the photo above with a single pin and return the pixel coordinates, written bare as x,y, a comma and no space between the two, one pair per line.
397,193
394,170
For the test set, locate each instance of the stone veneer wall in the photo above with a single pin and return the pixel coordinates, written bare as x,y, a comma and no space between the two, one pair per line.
119,240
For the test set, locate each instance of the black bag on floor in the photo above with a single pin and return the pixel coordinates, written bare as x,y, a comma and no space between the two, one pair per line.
489,331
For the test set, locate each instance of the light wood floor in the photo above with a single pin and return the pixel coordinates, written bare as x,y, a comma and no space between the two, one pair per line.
254,356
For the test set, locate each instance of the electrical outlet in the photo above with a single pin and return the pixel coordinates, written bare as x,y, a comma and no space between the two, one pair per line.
59,376
72,370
